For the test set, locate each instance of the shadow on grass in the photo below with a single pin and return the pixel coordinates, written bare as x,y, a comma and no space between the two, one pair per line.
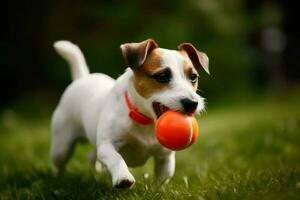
43,185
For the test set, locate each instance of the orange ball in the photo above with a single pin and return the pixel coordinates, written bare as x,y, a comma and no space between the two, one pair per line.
175,130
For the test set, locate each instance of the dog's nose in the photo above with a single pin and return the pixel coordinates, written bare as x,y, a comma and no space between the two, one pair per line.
189,105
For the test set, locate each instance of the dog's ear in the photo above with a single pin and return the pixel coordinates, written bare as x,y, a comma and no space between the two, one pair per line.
135,54
198,58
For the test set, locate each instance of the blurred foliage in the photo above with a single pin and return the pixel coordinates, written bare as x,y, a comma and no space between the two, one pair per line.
229,31
218,28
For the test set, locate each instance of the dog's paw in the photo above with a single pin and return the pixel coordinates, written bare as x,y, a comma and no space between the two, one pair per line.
126,181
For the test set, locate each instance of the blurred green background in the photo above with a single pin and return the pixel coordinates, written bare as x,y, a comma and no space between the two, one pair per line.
249,146
252,46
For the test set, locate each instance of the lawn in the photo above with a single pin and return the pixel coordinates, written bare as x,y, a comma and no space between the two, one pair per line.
245,151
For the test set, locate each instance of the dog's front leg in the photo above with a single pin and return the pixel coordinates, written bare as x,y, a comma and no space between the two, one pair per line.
164,167
121,177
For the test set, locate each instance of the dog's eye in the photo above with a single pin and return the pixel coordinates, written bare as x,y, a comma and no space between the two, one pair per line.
193,78
162,77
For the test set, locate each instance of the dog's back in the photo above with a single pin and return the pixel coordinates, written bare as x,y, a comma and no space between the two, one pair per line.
71,120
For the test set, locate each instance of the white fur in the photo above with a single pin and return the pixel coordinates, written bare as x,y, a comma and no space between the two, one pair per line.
93,107
180,85
74,56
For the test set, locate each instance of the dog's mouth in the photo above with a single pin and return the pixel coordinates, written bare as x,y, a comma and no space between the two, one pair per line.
159,108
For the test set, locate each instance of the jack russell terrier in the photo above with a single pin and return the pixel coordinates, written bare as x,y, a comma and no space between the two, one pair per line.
118,116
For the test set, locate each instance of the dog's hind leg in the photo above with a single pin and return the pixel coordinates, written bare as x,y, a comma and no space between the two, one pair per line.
63,141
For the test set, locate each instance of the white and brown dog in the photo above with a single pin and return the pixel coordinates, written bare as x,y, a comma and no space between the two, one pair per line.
118,116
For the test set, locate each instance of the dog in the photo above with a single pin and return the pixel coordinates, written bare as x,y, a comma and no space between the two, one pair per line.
118,116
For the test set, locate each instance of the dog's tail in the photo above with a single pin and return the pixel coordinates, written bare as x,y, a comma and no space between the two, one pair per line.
74,57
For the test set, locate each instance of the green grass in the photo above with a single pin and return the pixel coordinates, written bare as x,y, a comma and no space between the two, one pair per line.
249,151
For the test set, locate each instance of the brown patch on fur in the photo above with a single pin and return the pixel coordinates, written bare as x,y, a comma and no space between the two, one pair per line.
144,84
198,58
188,68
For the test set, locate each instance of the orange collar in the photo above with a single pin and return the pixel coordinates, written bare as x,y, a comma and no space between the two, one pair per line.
134,114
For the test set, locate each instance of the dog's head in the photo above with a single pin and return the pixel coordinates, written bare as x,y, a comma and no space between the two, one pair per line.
166,79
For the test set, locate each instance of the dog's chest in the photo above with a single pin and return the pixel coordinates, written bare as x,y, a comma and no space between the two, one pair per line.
138,145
